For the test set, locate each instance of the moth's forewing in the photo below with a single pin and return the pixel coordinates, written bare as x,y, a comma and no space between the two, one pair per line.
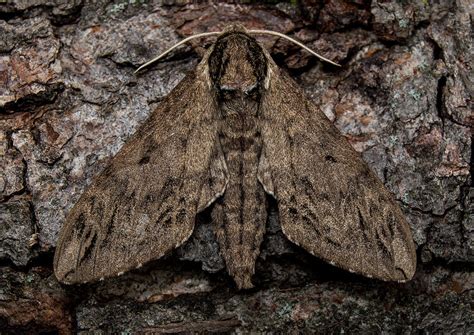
330,202
145,202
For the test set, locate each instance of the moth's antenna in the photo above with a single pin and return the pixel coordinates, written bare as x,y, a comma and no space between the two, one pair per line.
270,32
175,46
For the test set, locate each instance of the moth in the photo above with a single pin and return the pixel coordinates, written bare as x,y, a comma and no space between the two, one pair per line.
233,133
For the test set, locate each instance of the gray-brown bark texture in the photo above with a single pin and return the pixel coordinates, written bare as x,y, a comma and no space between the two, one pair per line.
69,100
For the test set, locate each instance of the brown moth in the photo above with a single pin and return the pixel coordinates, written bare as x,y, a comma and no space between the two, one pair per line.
235,131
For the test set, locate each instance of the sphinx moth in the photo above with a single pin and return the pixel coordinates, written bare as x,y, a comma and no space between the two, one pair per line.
234,132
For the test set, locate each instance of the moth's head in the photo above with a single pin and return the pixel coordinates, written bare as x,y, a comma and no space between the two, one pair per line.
237,63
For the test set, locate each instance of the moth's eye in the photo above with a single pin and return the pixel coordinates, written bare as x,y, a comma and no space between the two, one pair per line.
227,93
252,91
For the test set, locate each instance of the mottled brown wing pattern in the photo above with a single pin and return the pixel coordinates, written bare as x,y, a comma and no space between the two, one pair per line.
145,202
330,202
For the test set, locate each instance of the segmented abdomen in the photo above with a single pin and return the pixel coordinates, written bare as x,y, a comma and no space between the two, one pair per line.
241,215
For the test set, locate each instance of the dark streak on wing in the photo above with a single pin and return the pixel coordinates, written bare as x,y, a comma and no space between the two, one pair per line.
364,228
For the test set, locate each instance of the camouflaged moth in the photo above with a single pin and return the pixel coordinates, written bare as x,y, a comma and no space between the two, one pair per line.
234,132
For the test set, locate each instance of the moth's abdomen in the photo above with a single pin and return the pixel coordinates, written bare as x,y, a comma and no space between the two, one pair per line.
240,215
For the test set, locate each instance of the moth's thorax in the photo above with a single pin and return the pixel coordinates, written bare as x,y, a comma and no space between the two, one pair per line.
238,74
237,65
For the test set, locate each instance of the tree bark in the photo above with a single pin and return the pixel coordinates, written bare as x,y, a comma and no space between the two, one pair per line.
69,100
